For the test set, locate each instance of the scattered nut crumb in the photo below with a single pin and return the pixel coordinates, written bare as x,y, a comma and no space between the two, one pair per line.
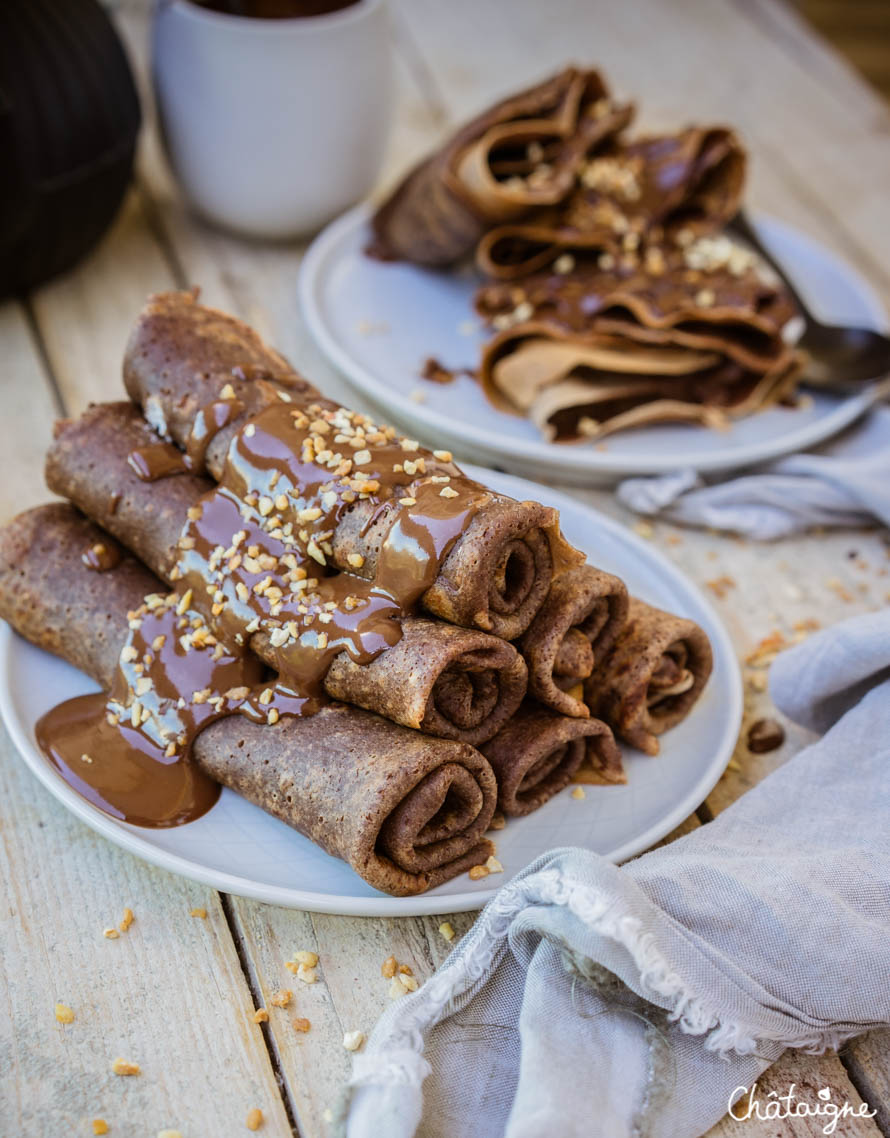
254,1119
122,1067
446,930
397,988
720,585
644,529
409,983
353,1040
578,792
388,968
300,1024
493,865
304,956
261,1016
169,1134
307,975
406,970
282,998
100,1126
64,1014
479,871
127,920
202,913
110,934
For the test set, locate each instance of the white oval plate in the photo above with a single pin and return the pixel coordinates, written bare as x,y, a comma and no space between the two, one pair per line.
238,848
378,322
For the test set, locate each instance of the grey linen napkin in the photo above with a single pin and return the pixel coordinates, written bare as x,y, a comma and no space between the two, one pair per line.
846,484
591,1000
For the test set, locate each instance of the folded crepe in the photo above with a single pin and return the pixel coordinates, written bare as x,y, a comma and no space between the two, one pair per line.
694,334
652,676
573,630
406,811
472,557
629,194
453,682
522,154
539,751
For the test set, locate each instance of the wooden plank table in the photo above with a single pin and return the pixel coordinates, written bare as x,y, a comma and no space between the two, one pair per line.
176,993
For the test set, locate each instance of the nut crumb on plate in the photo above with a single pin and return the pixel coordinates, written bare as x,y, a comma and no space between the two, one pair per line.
254,1119
64,1014
353,1040
446,930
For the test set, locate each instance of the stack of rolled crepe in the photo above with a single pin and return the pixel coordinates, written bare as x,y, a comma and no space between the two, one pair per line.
617,302
489,696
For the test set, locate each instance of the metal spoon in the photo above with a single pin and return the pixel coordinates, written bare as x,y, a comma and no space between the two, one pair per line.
841,359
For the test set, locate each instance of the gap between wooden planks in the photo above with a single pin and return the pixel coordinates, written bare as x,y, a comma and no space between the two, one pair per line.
156,245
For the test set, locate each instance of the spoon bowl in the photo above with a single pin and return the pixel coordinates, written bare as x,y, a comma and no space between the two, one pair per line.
846,359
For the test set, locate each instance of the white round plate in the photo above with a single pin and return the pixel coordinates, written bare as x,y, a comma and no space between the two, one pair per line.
238,848
378,322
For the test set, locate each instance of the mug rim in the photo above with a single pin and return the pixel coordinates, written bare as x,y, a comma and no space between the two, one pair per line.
308,24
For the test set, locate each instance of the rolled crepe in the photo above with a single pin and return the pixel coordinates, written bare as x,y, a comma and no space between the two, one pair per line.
520,154
574,629
407,812
453,682
652,677
641,190
180,359
536,754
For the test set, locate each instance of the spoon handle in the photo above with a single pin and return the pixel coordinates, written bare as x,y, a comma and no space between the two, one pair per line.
742,227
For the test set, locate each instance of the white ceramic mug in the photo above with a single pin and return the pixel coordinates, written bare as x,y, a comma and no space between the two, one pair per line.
273,126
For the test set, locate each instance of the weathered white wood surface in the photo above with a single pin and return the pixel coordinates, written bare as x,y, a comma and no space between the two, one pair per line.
177,993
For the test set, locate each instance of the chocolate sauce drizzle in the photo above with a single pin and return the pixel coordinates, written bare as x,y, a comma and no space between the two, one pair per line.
256,559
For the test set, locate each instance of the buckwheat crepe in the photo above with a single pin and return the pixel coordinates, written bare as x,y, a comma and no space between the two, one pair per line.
517,156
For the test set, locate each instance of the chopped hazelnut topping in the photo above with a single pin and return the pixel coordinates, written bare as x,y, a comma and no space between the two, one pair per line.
193,513
110,934
479,871
129,654
446,930
389,968
122,1067
448,492
64,1014
564,264
409,983
353,1040
227,392
272,716
85,758
407,501
184,602
282,998
493,865
249,431
126,920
